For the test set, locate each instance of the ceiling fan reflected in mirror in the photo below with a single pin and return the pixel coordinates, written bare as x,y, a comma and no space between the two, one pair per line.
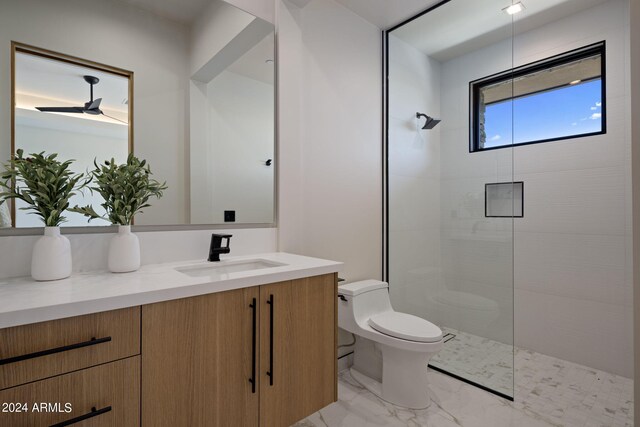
92,107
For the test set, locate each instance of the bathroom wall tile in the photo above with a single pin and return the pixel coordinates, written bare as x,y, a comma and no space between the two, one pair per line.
574,201
411,203
457,162
581,266
591,333
413,152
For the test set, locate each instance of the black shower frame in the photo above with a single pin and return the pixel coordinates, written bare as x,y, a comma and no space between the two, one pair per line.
385,180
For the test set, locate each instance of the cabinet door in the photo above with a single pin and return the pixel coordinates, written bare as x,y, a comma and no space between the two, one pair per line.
197,361
103,396
298,358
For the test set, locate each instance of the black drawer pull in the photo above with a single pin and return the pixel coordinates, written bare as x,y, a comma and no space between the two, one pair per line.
94,413
92,341
270,372
252,380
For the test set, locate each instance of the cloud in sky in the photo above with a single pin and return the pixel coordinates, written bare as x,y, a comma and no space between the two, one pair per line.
495,138
595,116
598,104
594,108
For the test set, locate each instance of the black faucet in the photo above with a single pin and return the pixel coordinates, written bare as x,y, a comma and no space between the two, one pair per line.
216,247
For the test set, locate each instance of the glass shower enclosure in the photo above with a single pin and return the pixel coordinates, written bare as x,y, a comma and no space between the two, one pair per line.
450,198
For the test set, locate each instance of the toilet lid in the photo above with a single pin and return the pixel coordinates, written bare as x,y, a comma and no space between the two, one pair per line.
405,326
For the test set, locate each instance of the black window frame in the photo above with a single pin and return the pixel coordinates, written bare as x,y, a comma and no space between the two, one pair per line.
475,86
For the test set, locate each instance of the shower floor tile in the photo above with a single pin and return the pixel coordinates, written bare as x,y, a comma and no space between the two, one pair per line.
548,392
478,359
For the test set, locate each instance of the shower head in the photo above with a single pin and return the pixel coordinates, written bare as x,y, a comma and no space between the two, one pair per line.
430,123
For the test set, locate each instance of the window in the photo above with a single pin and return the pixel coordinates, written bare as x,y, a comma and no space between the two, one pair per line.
554,99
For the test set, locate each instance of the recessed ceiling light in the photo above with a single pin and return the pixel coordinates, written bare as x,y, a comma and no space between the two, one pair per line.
514,8
575,82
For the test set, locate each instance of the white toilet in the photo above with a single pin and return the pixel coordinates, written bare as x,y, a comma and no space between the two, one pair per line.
392,349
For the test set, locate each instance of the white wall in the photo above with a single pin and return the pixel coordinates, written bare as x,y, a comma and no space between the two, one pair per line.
330,184
414,179
572,249
329,149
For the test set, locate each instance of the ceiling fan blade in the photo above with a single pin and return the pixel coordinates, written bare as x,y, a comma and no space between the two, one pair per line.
94,105
113,118
60,109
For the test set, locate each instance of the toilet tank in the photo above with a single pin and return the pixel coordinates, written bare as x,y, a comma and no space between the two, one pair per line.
361,300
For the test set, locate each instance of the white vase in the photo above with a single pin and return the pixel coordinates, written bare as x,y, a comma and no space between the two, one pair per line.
51,259
124,251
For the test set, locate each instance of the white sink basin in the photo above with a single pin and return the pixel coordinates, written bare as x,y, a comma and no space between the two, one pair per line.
222,268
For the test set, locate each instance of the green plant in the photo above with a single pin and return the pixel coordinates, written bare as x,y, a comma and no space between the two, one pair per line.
125,188
43,182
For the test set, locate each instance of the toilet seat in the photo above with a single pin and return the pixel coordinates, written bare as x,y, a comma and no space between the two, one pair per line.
405,326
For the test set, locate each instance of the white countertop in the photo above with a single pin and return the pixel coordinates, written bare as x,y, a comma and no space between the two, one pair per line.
24,301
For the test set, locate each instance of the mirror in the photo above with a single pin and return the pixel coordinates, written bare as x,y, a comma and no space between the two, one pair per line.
201,74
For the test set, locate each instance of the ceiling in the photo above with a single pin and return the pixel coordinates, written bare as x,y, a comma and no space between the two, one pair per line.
387,13
462,26
182,11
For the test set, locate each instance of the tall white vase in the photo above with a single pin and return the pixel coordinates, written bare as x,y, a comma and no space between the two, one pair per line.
124,251
51,259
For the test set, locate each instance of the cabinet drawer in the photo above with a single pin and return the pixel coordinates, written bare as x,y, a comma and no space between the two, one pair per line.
105,395
41,350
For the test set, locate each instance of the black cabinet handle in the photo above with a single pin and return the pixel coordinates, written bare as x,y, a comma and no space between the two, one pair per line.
94,413
92,341
252,380
270,372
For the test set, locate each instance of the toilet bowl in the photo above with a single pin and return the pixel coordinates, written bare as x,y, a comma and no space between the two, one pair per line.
392,349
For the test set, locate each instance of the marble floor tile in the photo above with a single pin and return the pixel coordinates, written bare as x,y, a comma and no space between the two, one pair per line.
548,392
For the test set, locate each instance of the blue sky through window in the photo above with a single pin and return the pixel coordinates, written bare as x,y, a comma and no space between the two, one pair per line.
566,111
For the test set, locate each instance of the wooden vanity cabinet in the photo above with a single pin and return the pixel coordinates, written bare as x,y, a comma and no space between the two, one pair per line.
260,356
263,356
